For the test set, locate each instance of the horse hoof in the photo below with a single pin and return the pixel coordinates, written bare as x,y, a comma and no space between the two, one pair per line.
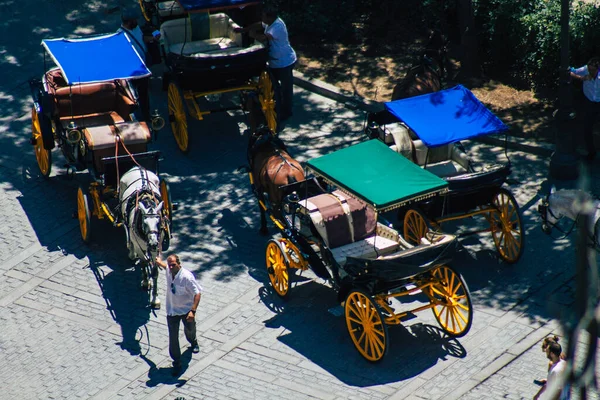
156,305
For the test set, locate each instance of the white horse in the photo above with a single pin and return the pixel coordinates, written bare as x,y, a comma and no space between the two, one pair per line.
571,203
144,223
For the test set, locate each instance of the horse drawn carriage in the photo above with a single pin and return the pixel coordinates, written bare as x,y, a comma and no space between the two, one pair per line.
428,130
86,107
205,56
329,223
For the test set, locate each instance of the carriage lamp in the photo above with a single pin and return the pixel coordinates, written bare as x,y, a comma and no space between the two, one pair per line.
73,134
158,122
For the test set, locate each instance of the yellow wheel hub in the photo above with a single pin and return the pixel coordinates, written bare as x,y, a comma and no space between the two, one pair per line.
506,227
266,96
42,156
179,124
365,326
277,268
451,301
415,227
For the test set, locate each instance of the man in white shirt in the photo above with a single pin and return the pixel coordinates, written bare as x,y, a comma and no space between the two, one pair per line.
555,387
183,297
589,74
282,57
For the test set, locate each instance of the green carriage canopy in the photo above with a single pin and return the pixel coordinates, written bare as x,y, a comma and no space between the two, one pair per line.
378,175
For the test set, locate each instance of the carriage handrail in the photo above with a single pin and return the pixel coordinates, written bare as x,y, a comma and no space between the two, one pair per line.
213,5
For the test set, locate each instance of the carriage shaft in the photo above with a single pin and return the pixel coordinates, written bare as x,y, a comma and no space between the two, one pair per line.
191,96
466,215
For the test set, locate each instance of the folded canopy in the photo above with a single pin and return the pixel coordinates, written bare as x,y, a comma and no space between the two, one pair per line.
204,5
446,116
96,59
378,175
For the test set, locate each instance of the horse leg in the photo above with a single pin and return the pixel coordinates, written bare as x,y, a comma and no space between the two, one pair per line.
155,301
145,284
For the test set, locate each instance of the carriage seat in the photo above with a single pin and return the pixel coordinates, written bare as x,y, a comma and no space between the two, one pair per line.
89,104
347,226
101,140
189,37
443,161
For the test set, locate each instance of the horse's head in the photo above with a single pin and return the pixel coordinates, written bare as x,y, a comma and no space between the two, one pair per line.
434,55
260,138
151,220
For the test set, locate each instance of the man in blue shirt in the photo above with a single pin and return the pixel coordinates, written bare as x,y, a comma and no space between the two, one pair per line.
589,74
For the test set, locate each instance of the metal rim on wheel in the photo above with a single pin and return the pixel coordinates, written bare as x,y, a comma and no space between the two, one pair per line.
177,117
145,11
507,227
366,326
278,268
266,97
42,156
451,301
415,227
83,215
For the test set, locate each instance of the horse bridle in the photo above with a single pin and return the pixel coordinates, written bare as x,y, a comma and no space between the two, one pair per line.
544,209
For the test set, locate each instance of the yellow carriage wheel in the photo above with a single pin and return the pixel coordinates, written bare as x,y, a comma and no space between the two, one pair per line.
451,301
42,156
266,96
415,227
177,117
145,12
165,194
295,258
507,227
84,215
366,325
278,268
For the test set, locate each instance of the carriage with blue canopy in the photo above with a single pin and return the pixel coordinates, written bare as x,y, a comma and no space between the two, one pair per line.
206,56
428,130
332,223
85,105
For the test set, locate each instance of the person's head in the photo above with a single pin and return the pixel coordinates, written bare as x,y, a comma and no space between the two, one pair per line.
269,14
129,18
173,263
593,66
547,340
553,351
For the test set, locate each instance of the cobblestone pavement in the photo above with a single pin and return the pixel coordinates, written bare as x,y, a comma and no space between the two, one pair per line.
76,325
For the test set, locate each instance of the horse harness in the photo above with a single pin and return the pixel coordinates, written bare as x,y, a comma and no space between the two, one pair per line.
544,208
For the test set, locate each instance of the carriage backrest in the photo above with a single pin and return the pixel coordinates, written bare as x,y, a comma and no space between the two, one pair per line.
339,218
88,98
174,31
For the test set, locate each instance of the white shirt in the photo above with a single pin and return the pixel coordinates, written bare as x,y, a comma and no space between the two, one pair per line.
281,53
591,88
137,43
185,287
556,376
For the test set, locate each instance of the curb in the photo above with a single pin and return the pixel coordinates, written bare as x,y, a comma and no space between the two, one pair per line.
359,103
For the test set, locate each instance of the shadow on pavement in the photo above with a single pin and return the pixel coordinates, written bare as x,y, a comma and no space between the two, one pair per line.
323,338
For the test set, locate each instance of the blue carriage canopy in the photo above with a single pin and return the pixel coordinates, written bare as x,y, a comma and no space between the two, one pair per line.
446,116
205,5
96,59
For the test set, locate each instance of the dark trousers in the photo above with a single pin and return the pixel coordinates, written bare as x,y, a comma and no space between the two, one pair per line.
142,87
592,111
284,81
189,329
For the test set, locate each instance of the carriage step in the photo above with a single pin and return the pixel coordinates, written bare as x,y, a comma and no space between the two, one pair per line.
336,311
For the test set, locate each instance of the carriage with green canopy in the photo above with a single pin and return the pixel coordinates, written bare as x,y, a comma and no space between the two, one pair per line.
332,223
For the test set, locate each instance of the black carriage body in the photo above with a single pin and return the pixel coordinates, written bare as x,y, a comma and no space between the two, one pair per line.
467,192
211,73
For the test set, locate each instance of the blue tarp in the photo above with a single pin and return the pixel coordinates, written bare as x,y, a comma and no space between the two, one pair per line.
201,5
96,59
446,116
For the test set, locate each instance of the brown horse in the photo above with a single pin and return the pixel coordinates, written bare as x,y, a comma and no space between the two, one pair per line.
426,76
271,167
